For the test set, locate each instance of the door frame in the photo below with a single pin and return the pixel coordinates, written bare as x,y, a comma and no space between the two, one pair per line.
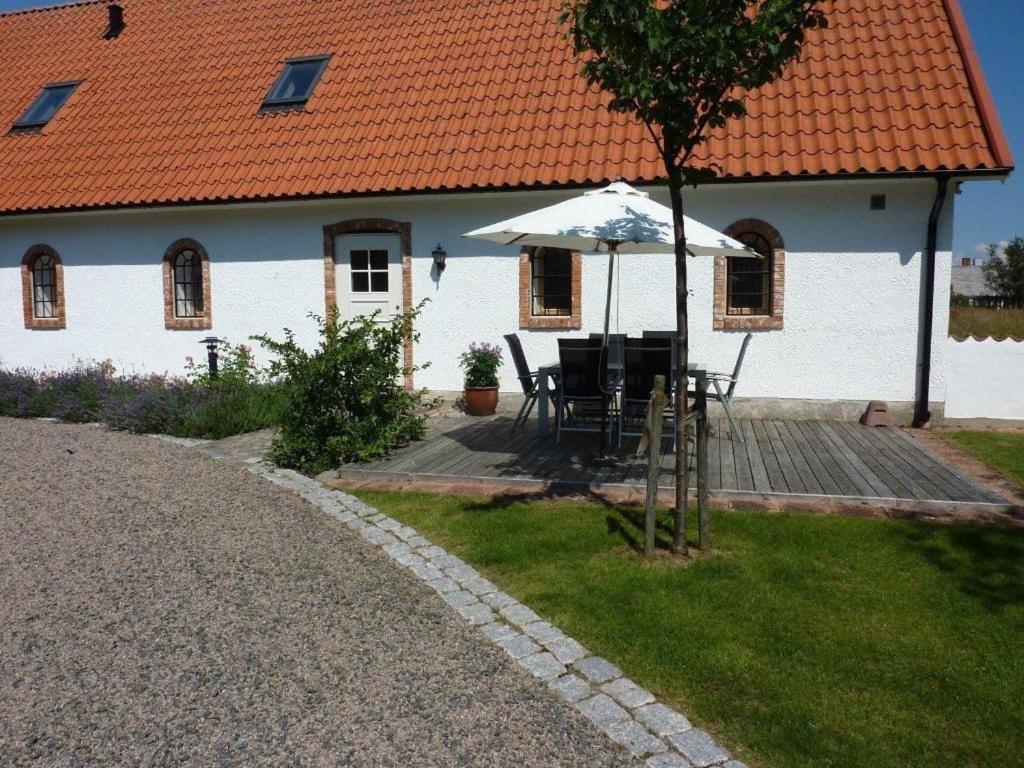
371,227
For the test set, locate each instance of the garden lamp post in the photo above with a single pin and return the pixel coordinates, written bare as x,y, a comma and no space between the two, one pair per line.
211,343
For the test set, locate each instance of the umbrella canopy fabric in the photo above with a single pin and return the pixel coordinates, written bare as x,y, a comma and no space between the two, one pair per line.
617,217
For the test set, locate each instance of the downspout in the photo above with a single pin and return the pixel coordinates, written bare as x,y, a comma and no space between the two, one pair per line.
922,414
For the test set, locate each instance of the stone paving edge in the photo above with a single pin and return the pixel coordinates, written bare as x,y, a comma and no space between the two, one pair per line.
577,677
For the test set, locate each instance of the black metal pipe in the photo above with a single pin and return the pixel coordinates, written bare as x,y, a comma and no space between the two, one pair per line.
922,413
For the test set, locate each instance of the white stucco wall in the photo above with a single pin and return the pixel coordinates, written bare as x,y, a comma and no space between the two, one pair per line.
853,279
985,379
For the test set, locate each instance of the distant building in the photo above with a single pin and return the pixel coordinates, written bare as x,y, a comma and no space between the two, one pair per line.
968,281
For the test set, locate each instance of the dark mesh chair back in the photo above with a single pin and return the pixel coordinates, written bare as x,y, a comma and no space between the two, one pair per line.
643,360
580,363
669,337
526,378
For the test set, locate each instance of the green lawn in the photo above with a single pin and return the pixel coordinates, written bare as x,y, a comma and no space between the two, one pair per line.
1003,451
979,321
806,641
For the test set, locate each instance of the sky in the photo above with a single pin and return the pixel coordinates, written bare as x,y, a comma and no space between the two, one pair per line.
986,211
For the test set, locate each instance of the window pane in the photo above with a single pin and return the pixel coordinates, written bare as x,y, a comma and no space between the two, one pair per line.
379,282
359,259
360,282
45,106
188,284
378,259
44,287
749,279
297,81
552,282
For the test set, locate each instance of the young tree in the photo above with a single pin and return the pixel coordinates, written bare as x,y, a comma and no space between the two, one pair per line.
683,67
1005,275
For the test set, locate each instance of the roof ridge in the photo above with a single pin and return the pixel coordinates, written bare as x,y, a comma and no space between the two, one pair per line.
51,7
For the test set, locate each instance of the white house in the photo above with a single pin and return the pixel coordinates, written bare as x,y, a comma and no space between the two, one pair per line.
172,170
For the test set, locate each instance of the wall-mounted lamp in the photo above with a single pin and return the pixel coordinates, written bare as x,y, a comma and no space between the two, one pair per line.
439,255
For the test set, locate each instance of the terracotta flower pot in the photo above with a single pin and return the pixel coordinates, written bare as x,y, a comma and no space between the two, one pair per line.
481,401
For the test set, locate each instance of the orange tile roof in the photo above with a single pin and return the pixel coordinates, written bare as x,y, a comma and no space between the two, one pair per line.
441,95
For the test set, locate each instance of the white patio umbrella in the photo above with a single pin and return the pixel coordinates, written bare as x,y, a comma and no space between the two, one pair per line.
604,220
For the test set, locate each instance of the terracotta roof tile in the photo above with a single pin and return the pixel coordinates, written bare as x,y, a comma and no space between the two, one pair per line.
444,95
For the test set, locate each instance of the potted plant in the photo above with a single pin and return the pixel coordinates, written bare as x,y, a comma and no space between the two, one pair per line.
481,365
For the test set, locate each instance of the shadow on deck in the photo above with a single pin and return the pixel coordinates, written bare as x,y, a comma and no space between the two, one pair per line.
809,465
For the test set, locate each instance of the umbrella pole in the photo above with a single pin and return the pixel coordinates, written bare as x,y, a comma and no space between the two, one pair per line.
605,351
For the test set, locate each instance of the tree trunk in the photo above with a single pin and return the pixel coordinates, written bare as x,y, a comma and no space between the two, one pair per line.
675,188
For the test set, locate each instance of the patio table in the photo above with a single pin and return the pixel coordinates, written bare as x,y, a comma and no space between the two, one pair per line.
548,373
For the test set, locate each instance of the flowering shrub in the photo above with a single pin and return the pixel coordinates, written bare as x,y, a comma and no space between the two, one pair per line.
346,401
170,405
481,364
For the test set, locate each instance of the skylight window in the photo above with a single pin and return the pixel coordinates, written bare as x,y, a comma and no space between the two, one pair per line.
296,82
46,104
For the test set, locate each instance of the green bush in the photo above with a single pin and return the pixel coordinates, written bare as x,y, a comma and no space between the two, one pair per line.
233,410
345,400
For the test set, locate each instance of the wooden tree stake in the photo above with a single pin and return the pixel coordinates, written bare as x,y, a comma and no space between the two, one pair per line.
651,441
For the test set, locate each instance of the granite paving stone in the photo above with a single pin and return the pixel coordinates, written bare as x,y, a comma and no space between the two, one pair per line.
636,739
602,710
662,720
597,670
699,748
627,693
517,646
543,665
572,688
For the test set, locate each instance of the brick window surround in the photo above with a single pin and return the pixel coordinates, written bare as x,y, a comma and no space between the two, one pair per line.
204,321
531,322
371,226
59,320
773,321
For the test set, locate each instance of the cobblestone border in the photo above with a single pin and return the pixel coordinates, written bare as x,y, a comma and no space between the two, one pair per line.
629,714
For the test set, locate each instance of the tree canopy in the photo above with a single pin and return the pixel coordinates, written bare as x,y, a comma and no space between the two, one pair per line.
683,66
1004,273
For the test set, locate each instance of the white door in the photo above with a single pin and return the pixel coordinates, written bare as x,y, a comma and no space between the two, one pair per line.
369,276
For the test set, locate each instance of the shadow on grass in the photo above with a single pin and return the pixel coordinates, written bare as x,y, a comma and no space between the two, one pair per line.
986,564
624,521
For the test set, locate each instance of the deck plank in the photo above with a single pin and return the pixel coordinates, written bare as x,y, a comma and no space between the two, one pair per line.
758,470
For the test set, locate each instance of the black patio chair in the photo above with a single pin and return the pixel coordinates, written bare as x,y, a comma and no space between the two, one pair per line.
581,391
527,379
643,359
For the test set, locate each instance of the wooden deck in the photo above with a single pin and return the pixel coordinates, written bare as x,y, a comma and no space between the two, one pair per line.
779,458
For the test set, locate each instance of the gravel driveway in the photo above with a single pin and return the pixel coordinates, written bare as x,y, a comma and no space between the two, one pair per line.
160,608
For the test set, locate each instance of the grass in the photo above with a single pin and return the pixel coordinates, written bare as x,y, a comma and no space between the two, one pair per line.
982,322
1002,451
805,641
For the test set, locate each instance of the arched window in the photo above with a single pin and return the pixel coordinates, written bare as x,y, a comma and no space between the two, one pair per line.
187,287
42,279
749,291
